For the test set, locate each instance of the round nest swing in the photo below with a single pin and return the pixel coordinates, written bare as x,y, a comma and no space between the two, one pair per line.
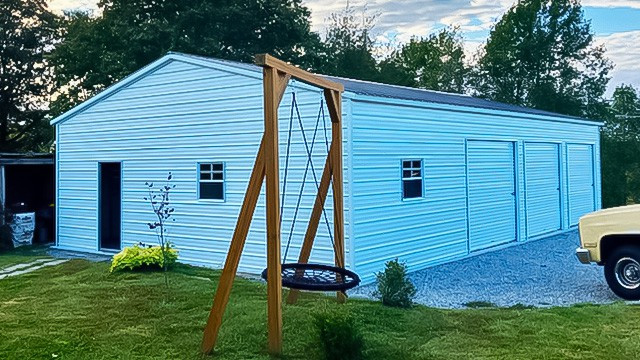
316,277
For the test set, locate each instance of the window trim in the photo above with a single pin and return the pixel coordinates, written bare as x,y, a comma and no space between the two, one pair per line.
223,181
403,179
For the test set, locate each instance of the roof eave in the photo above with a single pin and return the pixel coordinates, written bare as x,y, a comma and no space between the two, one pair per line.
444,106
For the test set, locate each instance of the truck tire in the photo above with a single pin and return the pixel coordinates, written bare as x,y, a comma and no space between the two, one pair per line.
622,272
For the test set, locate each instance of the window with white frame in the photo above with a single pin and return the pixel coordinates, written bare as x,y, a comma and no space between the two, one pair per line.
411,179
211,181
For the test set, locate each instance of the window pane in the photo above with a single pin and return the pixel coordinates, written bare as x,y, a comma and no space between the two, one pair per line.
415,173
211,191
216,167
416,164
216,176
205,167
412,188
205,176
406,173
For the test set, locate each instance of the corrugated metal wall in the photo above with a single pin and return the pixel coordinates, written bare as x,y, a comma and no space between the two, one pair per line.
434,229
170,120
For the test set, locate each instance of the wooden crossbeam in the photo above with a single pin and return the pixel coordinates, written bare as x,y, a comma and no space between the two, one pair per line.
235,251
304,76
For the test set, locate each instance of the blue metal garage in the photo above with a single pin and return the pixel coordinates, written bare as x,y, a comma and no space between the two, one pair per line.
429,177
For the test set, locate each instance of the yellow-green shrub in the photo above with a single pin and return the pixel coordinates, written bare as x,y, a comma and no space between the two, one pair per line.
142,258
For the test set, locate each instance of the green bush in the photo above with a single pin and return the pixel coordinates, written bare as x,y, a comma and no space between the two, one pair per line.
339,334
140,257
394,288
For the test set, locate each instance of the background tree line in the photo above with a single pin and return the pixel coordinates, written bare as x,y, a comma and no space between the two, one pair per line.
540,54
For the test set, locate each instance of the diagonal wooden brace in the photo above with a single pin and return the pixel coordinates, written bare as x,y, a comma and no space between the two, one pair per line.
235,251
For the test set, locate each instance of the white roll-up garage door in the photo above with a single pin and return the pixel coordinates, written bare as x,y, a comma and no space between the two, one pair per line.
580,181
543,201
492,205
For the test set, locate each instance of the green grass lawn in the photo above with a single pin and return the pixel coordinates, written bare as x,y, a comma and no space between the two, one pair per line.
78,310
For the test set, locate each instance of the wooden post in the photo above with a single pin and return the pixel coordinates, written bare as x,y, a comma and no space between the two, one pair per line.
314,220
235,251
276,75
334,104
274,275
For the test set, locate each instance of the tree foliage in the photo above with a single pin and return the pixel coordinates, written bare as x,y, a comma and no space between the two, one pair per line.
27,33
620,147
436,62
542,54
349,46
97,51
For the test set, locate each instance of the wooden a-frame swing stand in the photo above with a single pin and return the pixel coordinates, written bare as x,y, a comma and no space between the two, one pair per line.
276,76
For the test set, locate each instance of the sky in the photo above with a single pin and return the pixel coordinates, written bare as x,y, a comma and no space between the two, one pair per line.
616,23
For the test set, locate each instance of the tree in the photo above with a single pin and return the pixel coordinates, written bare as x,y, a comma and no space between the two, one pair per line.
436,62
160,203
542,54
128,34
620,147
28,31
349,46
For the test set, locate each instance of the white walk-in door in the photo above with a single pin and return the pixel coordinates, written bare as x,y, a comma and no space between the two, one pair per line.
492,193
542,176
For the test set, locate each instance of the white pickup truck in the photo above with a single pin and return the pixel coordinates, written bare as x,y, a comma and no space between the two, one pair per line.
611,238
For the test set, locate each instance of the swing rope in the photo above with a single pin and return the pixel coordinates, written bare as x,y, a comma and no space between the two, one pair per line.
309,150
286,164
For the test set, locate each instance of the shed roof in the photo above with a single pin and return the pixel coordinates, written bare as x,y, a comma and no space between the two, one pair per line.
26,159
408,93
350,85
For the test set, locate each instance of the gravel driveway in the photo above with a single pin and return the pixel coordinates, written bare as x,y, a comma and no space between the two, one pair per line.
540,273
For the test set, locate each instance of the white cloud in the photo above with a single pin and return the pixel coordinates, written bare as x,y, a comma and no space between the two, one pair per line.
624,50
62,5
416,17
612,3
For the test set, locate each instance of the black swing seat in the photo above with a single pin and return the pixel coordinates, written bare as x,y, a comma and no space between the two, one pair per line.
316,277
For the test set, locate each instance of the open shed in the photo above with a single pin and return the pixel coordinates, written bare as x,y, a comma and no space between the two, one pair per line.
429,177
27,185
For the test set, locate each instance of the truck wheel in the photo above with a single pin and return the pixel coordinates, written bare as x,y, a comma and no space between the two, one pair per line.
622,272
